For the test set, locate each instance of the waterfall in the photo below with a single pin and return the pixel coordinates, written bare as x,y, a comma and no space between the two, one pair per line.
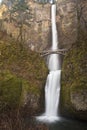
52,87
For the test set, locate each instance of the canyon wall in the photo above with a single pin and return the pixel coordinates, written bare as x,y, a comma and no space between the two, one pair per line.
36,32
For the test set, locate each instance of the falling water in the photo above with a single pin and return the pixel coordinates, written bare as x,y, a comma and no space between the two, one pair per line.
52,87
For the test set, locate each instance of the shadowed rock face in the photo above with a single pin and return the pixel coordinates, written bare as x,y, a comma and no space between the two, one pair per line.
74,83
67,22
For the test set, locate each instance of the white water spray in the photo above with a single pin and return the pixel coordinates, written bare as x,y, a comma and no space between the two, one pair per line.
52,87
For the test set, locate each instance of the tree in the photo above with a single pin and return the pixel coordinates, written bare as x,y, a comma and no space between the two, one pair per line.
20,13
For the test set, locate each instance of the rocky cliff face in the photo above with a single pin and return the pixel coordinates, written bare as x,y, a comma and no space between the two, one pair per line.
22,78
74,83
38,34
67,22
72,30
35,31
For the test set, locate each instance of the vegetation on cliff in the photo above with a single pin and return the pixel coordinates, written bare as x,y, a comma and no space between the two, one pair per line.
74,83
22,72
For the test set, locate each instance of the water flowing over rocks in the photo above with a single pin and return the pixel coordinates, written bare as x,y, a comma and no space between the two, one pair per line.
36,34
52,87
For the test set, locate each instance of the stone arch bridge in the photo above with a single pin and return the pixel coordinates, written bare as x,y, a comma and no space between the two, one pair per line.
49,52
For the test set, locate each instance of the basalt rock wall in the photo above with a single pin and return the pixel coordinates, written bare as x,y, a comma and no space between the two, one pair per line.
37,31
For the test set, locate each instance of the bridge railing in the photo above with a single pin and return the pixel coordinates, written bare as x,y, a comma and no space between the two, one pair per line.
49,52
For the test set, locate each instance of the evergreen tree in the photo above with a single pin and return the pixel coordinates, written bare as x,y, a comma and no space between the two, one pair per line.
23,13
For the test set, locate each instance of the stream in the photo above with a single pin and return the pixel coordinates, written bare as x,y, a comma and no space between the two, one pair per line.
61,124
66,124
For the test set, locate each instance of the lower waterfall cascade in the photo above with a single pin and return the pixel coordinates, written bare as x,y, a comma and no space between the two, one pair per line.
52,87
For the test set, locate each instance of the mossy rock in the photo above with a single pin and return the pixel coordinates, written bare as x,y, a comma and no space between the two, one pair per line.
10,90
22,75
74,82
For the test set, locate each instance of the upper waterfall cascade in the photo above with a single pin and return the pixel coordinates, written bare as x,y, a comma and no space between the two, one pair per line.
52,87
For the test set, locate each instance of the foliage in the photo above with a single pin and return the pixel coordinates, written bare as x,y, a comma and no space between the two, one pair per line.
21,13
74,78
10,90
20,6
20,73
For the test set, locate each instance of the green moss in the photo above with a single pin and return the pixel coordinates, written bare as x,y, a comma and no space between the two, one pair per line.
74,73
14,89
10,90
22,72
30,87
